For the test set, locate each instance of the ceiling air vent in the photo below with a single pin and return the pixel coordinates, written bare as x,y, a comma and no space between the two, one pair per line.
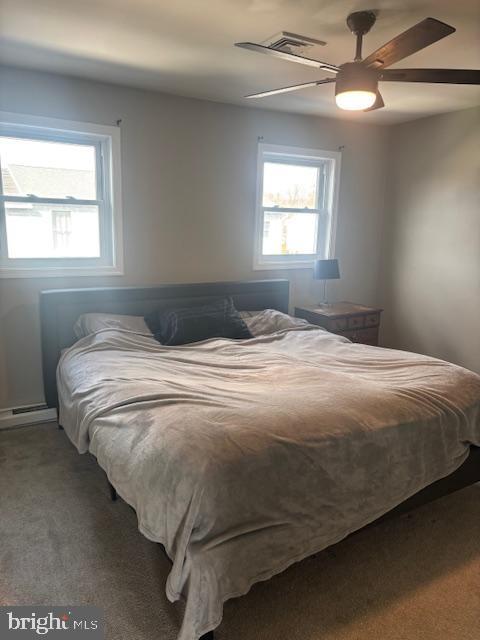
291,42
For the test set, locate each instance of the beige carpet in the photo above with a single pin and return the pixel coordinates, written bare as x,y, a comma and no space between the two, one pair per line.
63,542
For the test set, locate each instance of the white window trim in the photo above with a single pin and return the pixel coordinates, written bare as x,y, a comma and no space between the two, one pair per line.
260,262
110,142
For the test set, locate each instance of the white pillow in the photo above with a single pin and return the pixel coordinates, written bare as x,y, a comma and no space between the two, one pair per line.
91,322
270,321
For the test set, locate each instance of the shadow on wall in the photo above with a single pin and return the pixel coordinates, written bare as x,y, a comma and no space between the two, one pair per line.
431,284
20,330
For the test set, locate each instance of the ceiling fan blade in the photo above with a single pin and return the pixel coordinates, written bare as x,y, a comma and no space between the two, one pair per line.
290,57
448,76
378,104
414,39
294,87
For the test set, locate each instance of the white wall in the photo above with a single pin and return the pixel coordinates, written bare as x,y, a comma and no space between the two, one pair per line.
432,242
202,232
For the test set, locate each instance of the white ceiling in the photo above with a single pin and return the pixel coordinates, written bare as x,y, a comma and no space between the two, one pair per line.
186,47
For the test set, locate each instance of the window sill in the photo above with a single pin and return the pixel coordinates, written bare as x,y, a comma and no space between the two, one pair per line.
59,272
274,266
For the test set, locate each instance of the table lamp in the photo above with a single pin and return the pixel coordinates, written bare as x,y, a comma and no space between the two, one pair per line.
326,270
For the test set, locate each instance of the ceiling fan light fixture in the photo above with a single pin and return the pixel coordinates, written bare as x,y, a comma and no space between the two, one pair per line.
355,100
356,87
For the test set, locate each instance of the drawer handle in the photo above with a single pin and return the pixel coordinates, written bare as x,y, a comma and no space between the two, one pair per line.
356,322
372,320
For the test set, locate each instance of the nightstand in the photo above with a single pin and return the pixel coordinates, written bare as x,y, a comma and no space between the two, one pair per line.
354,321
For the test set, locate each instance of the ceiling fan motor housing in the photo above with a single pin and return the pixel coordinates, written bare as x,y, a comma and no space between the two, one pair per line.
354,76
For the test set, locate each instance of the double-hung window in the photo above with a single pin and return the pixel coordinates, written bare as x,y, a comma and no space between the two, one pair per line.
60,198
297,192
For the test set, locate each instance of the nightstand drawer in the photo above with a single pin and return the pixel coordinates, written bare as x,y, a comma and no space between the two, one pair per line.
337,324
363,336
356,322
372,320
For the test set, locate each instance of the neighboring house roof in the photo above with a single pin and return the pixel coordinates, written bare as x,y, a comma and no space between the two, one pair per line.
48,182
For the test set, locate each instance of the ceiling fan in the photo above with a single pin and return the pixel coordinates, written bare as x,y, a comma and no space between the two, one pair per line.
356,83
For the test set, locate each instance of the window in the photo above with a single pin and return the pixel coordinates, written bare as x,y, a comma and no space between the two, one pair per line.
297,191
60,209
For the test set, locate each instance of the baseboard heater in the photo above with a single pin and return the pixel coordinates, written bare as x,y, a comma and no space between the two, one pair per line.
23,416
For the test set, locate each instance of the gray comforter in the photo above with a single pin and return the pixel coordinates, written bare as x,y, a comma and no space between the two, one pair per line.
242,457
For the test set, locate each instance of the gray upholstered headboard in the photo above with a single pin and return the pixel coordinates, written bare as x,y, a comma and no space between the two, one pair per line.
59,308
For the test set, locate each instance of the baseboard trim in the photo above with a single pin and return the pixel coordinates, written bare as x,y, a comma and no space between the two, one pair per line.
8,419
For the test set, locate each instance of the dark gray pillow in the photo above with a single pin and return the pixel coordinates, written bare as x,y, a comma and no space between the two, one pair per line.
216,319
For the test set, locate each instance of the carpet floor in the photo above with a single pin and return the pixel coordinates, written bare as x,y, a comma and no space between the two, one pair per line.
63,542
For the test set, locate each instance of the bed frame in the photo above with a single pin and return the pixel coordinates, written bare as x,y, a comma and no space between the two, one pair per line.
60,308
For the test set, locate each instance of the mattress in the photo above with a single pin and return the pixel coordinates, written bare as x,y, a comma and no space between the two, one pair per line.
243,457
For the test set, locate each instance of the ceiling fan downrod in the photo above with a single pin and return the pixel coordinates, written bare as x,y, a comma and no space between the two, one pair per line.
358,49
360,23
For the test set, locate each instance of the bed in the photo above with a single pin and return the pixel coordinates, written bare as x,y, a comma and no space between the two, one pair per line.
243,457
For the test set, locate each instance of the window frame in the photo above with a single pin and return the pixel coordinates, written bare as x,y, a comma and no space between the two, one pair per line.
106,140
331,160
56,233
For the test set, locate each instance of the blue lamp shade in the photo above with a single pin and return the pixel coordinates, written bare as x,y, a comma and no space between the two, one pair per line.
326,270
